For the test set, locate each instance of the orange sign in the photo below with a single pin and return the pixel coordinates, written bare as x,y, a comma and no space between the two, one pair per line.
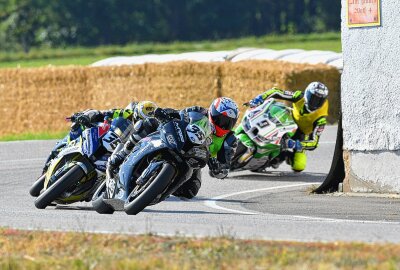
363,13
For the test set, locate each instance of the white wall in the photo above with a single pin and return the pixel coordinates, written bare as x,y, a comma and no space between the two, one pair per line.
371,101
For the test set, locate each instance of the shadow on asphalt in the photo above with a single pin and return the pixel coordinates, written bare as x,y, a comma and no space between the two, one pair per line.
280,177
74,207
195,212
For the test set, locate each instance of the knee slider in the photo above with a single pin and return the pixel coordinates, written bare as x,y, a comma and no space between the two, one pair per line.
299,161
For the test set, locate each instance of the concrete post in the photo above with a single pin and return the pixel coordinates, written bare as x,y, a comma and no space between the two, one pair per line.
371,102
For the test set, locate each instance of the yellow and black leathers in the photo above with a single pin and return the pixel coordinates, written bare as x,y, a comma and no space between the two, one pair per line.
94,116
310,124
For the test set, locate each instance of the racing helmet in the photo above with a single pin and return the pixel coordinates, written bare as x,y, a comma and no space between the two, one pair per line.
131,106
223,115
143,110
315,96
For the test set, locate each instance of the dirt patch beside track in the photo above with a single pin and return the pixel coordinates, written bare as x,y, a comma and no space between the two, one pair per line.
37,99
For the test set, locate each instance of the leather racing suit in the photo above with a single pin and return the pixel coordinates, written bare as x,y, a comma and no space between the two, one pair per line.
310,126
221,149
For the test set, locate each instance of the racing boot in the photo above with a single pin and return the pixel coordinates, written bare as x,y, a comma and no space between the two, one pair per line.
275,163
189,189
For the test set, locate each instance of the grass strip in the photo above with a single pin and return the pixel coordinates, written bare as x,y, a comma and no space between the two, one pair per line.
34,136
66,250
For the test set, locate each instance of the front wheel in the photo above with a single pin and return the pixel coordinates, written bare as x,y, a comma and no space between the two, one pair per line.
98,203
37,186
54,191
144,195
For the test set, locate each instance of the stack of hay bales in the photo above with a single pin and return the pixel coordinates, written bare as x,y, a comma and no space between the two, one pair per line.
37,99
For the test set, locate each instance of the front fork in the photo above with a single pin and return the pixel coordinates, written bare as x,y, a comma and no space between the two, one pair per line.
247,142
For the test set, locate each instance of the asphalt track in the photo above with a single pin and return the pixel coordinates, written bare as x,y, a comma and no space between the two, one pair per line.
275,206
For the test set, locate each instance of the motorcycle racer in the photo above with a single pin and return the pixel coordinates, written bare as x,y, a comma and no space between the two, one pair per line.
310,110
134,111
223,114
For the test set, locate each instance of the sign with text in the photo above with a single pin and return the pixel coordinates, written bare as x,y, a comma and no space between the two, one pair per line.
362,13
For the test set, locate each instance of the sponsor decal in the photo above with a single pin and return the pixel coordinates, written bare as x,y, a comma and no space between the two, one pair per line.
103,129
288,93
171,139
192,161
156,143
179,131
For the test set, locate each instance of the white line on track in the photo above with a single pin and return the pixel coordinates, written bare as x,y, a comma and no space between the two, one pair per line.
23,160
213,201
213,204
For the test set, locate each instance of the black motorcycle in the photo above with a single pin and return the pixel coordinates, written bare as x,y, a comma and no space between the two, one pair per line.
158,165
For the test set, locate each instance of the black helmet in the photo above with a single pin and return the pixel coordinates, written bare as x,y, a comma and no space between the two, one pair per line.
315,96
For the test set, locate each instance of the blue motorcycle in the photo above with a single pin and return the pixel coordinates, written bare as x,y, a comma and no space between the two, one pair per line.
158,165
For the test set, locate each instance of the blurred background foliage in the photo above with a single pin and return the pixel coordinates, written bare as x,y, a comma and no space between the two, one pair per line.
27,24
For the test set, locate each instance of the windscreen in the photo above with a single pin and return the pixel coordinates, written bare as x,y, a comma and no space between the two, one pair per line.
280,114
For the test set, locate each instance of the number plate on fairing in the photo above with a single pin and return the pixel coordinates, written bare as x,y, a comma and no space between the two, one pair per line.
111,140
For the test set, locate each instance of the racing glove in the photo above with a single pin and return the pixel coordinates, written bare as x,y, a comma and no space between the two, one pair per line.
293,145
161,115
257,101
217,169
81,119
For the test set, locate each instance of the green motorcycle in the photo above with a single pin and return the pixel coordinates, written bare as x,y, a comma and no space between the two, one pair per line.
267,127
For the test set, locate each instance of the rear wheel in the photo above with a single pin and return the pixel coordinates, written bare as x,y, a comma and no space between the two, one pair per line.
98,202
37,186
54,191
144,195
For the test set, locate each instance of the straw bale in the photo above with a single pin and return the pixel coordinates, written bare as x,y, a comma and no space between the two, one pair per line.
175,85
37,99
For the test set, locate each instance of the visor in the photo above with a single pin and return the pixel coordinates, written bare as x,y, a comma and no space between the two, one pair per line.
221,120
314,102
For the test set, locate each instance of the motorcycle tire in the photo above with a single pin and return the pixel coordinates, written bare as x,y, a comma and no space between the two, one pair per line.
54,191
37,186
98,203
157,186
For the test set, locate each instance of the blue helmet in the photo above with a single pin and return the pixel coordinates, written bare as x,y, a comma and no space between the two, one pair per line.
223,114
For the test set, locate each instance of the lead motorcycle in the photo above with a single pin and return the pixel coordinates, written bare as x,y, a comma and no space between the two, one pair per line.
157,166
79,168
268,126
